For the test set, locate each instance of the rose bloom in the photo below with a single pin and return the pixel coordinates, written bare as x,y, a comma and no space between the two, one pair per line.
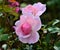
26,28
36,9
14,4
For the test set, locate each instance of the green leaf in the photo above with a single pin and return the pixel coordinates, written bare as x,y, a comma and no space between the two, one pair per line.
51,3
3,37
6,8
56,48
53,29
1,8
1,1
1,14
23,5
57,45
55,21
16,15
1,31
48,38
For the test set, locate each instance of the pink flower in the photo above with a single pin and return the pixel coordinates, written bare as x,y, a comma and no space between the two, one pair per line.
17,9
36,9
26,28
14,4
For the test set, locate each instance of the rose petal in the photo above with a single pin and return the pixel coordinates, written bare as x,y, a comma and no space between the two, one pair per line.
32,39
27,18
17,23
40,7
37,24
34,21
26,10
20,33
37,9
23,18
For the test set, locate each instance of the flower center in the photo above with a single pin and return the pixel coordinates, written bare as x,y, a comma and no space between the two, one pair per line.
26,28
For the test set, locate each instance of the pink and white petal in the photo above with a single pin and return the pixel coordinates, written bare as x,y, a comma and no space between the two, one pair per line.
20,33
31,40
40,13
17,23
23,40
31,20
23,18
40,7
26,36
37,5
34,21
23,11
38,24
27,17
26,10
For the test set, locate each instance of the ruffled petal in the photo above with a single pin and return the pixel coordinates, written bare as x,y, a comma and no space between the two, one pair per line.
23,18
23,40
40,7
31,40
17,23
27,18
20,33
27,9
37,24
34,38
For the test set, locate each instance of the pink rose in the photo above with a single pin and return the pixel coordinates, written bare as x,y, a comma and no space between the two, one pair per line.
14,4
17,9
36,9
26,28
